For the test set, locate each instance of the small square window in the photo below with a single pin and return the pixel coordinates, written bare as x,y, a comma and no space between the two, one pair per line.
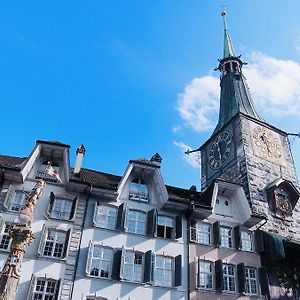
105,216
201,233
226,237
246,241
135,221
165,227
138,190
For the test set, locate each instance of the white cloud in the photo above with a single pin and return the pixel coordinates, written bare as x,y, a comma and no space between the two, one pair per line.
193,159
274,86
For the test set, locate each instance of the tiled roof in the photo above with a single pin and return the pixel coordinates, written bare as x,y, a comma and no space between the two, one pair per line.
11,162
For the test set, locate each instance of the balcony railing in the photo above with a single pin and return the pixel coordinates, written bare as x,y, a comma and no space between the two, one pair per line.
45,176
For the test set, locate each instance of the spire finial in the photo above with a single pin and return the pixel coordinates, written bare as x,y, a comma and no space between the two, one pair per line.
228,47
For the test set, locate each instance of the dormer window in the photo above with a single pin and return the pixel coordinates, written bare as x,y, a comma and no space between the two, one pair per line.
40,173
138,190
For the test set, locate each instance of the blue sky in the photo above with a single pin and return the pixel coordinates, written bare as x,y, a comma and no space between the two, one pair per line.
117,75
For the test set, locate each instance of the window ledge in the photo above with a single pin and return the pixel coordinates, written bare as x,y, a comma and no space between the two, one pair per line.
5,250
96,277
54,259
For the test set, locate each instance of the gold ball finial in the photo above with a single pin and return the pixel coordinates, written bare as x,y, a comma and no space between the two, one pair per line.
223,13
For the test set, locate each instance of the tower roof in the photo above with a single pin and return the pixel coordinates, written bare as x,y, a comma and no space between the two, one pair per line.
235,95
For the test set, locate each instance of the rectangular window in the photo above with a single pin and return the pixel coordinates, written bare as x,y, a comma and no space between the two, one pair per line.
45,289
165,227
246,241
54,243
251,280
105,216
229,278
205,274
5,239
201,233
17,202
226,237
163,270
135,221
61,209
132,266
100,259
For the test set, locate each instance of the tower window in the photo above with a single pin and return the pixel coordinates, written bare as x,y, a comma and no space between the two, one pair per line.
138,190
40,173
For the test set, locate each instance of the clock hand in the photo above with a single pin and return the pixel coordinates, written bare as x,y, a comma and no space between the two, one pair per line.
219,151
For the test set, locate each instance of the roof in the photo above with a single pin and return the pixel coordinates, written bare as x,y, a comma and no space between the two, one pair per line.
54,143
11,162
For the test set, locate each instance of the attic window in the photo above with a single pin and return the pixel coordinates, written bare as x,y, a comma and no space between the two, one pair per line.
40,173
138,190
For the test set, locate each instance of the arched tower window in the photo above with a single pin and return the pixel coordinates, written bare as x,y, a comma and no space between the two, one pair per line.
138,190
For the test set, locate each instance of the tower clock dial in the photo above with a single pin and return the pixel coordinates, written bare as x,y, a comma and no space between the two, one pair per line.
267,144
220,150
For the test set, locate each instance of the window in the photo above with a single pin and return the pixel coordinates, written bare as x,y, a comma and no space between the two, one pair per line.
138,190
14,200
226,237
246,241
43,288
5,239
163,269
201,233
40,173
99,261
205,274
229,278
135,221
132,268
251,280
105,216
61,208
54,243
165,227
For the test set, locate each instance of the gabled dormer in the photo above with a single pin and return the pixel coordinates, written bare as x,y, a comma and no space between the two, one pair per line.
143,182
53,152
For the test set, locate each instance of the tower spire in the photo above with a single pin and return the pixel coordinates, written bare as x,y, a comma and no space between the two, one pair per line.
228,46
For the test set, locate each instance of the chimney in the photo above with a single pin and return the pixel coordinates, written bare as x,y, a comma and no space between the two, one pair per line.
80,152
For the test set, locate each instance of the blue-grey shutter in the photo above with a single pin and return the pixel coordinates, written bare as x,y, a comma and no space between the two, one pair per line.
66,246
259,241
178,267
57,289
264,282
216,234
241,277
44,233
147,266
116,265
96,207
151,222
51,202
10,195
72,214
237,237
219,275
89,258
178,226
121,217
31,287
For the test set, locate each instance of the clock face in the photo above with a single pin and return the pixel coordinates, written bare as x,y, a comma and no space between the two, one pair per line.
220,150
268,145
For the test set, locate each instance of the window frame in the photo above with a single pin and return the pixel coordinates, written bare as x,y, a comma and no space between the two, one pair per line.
133,266
171,270
91,257
165,227
206,274
73,204
136,221
40,171
198,233
140,195
227,277
228,237
248,281
4,227
96,214
245,240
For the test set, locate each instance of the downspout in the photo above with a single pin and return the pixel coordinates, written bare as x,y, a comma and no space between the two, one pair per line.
82,227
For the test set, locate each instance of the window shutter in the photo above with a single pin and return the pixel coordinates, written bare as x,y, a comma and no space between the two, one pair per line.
72,214
216,234
42,240
51,202
95,213
241,277
89,258
147,266
237,237
178,268
67,242
151,222
115,272
2,226
264,282
259,241
193,231
219,275
10,195
178,227
31,287
57,289
121,217
122,263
